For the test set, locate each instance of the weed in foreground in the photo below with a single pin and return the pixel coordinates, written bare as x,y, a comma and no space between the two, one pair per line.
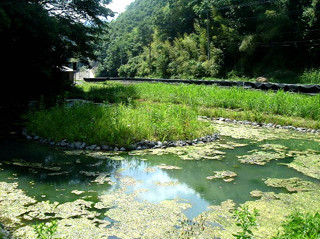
46,230
245,220
300,226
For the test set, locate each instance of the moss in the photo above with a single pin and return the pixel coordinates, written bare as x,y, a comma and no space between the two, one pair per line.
260,157
137,219
32,165
13,204
222,175
256,193
211,151
308,164
168,167
255,133
292,184
166,184
274,208
274,147
103,178
221,221
149,170
128,181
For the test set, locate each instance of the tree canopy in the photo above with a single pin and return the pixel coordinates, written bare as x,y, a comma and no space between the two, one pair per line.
213,38
39,36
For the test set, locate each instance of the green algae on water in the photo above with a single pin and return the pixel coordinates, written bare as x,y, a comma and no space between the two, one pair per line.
307,164
222,175
260,157
210,151
292,184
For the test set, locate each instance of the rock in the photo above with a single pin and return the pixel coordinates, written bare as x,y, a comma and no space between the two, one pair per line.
97,148
29,137
151,144
116,149
79,145
36,137
189,142
123,149
91,147
63,143
105,147
132,147
262,80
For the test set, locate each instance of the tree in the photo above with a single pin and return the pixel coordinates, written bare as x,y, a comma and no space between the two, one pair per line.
39,36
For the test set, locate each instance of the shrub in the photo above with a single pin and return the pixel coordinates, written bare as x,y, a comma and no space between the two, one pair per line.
300,226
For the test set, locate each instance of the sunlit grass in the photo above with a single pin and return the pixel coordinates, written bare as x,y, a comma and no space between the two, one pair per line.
118,124
259,102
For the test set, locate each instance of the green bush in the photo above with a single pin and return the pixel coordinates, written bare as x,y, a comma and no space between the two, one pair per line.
311,76
300,226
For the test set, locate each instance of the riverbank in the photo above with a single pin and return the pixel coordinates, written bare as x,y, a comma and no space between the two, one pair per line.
117,117
280,108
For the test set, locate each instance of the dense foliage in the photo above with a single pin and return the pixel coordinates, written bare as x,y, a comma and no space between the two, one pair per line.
39,36
301,226
200,38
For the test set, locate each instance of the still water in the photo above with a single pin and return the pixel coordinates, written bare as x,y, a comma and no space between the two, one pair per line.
48,173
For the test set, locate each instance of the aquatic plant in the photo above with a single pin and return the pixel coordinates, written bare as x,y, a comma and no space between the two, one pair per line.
245,220
46,230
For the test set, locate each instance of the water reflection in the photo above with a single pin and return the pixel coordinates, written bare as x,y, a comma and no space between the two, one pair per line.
49,174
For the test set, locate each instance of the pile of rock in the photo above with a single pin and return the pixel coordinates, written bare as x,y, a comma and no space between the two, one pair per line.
141,145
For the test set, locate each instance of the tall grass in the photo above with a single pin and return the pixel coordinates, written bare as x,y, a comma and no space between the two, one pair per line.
279,103
118,124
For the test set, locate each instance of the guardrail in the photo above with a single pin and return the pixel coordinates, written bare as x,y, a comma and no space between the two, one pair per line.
298,88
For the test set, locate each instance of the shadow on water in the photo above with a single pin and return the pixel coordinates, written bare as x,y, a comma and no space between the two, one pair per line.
49,174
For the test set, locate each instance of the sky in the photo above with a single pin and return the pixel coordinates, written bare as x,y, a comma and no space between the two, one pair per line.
119,5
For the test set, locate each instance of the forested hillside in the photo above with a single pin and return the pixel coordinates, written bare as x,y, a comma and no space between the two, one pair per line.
279,39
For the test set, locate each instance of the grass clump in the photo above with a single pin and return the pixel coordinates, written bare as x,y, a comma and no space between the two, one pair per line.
300,226
118,124
280,107
278,103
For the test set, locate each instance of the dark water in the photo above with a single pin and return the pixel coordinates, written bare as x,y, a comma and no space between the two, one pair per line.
190,181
